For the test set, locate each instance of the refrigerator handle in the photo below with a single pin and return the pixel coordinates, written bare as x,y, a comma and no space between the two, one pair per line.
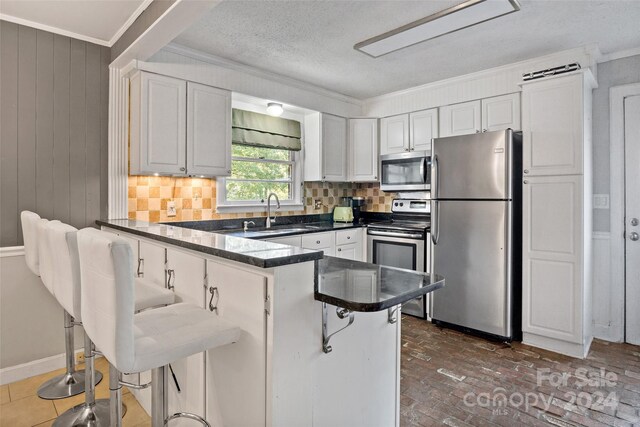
435,171
435,221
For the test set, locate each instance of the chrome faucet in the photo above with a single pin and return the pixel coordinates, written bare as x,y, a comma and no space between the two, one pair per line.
269,220
245,225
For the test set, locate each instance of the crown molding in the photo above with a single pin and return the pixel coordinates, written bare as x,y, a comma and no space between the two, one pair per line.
54,30
256,72
71,34
619,55
591,50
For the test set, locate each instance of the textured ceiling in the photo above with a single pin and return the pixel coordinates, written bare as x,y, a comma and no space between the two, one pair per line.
97,19
312,41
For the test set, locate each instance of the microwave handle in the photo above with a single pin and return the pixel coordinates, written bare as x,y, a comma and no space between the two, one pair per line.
422,169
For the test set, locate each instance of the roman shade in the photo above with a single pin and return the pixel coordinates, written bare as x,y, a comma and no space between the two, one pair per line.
262,130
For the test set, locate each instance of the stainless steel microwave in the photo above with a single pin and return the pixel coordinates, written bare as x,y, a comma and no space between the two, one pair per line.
406,171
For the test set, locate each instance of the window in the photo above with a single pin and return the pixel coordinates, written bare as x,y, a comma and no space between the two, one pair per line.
256,172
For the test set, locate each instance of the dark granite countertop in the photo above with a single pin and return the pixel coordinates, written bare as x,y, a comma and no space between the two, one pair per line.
253,252
290,229
360,286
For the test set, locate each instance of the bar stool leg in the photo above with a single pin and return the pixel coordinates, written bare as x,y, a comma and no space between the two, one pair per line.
159,402
91,413
71,382
115,397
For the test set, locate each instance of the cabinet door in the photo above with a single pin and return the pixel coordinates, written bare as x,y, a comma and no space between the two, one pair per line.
423,128
162,132
152,262
552,124
237,373
552,247
501,112
320,242
186,383
208,130
352,251
363,150
460,119
394,134
334,148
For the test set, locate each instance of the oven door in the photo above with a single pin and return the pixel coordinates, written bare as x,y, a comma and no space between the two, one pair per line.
406,172
401,250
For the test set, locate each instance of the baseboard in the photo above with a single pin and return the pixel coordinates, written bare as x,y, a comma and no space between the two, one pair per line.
15,373
579,351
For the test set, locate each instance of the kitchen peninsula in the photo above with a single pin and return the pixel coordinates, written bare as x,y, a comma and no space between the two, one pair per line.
321,335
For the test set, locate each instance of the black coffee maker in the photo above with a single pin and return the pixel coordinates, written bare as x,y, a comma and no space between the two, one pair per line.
356,205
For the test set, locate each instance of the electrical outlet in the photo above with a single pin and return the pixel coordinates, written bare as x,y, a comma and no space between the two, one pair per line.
171,208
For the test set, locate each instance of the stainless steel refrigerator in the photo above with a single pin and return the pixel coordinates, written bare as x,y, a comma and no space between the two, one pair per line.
476,232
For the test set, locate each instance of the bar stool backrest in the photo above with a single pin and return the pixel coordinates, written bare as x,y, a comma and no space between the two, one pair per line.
45,255
30,222
66,268
108,296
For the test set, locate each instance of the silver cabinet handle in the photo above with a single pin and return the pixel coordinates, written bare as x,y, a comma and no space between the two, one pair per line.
214,293
634,236
484,130
317,242
182,169
339,249
526,171
477,130
140,271
348,237
525,182
171,279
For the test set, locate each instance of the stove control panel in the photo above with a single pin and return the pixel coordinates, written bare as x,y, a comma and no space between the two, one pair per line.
417,206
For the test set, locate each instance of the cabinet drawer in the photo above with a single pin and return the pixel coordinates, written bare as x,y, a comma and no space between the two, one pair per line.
344,237
318,240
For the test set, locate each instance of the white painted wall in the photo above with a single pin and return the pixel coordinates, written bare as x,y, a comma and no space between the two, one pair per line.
31,320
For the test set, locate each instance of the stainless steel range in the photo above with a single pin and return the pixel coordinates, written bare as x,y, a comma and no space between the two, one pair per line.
402,242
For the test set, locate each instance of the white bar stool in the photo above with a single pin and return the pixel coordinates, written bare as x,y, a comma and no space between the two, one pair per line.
148,340
62,244
71,382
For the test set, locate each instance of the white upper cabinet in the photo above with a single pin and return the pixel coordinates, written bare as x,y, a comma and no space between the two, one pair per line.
158,124
501,112
208,130
460,119
553,121
325,148
178,127
423,127
363,150
394,134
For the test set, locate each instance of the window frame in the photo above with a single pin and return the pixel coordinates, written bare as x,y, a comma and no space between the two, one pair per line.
295,203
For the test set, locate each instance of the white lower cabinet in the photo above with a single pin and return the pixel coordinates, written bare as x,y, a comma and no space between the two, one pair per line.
320,242
347,244
186,377
240,299
151,259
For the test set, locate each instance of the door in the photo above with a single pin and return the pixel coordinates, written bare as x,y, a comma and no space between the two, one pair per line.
552,126
501,112
552,291
460,119
394,134
471,166
208,130
363,146
240,300
472,253
423,127
163,113
351,251
632,216
334,148
186,377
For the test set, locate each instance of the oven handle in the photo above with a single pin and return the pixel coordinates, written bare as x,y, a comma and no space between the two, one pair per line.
392,234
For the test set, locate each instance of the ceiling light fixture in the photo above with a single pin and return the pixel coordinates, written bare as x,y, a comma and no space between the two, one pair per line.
455,18
274,109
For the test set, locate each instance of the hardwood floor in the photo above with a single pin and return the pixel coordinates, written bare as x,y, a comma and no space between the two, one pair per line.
458,380
448,378
21,407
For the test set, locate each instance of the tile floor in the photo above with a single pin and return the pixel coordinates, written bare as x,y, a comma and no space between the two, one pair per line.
448,378
21,407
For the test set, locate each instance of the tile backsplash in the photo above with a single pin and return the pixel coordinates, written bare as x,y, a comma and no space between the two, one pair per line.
195,198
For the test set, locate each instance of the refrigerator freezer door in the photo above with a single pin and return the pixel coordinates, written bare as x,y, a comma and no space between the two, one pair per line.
472,254
472,166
